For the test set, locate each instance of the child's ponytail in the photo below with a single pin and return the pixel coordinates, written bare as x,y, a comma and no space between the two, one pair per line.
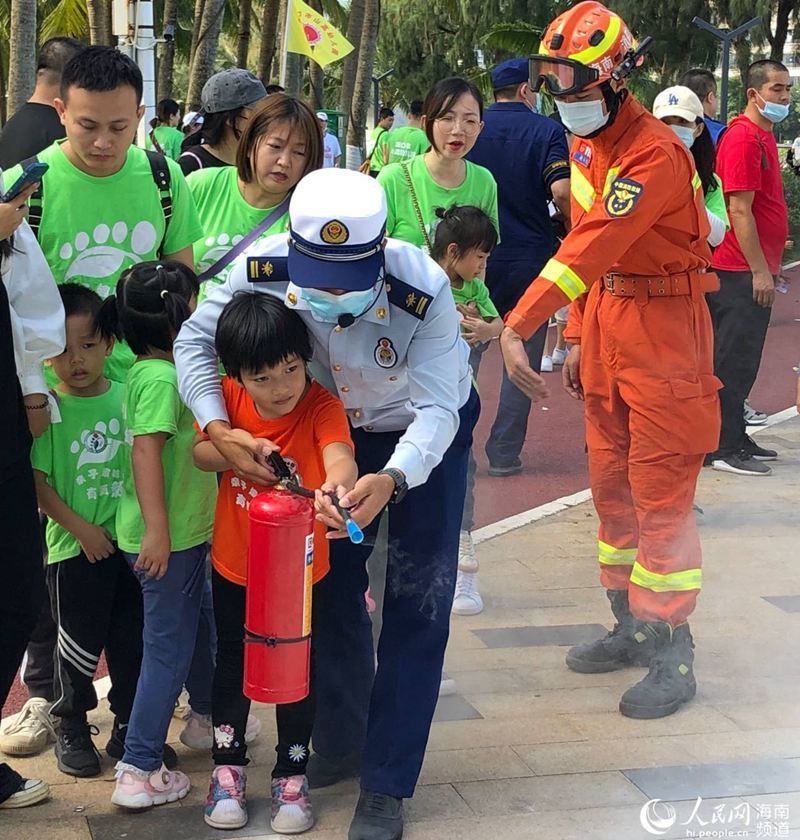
152,302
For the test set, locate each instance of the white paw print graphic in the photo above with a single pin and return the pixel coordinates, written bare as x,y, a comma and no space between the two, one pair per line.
218,246
94,446
103,253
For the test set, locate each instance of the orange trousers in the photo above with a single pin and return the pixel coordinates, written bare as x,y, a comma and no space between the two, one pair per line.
652,413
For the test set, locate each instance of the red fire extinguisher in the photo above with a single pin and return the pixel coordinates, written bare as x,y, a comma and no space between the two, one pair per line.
277,652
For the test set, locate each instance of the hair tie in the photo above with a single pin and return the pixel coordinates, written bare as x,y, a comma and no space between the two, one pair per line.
164,293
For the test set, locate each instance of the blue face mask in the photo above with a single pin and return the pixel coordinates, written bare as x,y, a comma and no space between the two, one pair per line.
329,307
686,135
772,111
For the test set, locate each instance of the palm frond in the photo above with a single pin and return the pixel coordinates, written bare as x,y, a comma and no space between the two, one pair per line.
517,38
67,17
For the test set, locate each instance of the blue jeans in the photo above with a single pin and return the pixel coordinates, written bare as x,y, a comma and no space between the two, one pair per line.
201,673
507,281
388,713
171,614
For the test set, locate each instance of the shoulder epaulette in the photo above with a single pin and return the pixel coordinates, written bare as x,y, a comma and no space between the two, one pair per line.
267,270
408,298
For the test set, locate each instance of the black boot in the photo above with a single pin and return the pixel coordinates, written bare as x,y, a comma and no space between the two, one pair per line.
670,681
378,816
625,646
75,752
115,748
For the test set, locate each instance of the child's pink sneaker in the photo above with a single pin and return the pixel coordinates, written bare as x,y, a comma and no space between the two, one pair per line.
139,789
291,810
198,732
226,806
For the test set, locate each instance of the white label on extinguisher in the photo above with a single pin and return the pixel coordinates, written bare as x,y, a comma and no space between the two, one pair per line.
308,582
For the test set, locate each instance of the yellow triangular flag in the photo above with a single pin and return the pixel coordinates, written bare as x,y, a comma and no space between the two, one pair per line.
313,35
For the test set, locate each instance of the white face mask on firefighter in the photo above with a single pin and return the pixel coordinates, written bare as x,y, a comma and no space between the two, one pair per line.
582,118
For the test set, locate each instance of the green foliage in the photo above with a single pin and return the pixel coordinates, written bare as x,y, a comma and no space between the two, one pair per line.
791,189
64,17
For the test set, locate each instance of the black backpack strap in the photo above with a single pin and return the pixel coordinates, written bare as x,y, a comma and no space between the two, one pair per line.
35,201
162,178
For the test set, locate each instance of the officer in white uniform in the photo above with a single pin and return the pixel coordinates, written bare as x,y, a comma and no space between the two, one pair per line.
387,343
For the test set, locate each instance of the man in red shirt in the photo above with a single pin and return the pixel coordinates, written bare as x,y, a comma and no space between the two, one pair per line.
749,258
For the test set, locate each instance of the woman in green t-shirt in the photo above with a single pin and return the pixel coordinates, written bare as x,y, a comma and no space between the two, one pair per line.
680,109
281,143
164,137
452,118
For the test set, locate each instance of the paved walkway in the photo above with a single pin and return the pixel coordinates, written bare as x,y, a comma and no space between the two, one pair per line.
527,749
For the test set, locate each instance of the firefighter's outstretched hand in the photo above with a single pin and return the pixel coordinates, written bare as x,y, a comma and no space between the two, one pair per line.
365,501
519,370
571,373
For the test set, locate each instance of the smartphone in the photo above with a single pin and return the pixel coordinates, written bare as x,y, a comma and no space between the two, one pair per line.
31,175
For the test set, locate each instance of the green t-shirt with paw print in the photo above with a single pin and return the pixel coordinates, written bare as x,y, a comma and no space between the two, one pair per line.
226,218
92,229
82,455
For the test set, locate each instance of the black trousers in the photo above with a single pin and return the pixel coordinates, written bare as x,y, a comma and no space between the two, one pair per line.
97,606
21,569
230,707
740,329
37,669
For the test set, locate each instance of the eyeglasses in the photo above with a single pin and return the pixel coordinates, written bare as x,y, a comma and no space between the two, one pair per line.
469,125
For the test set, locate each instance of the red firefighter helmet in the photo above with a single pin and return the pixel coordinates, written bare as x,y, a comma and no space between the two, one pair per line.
580,49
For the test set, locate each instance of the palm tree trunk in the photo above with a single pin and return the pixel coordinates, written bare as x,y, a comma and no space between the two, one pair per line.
197,23
243,41
269,34
355,24
2,86
98,21
166,64
363,82
22,53
316,74
206,52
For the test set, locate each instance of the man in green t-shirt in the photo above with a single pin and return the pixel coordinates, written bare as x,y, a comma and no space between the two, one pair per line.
402,143
385,122
101,210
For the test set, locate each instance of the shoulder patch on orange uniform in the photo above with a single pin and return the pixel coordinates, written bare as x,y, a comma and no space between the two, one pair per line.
622,196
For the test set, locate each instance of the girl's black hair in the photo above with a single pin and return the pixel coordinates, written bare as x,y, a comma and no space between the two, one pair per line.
256,331
443,96
705,159
466,227
81,300
165,109
150,306
213,130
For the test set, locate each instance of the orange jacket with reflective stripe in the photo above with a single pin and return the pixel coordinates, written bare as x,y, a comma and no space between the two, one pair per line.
637,208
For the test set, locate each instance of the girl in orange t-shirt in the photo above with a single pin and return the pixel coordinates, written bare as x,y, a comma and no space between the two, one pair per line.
264,347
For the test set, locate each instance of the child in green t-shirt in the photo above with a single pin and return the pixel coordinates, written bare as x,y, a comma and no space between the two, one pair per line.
164,519
464,239
95,598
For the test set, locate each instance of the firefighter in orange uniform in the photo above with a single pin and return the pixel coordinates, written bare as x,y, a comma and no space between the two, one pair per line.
645,358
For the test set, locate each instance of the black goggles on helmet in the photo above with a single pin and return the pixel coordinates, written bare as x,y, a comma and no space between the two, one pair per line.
561,76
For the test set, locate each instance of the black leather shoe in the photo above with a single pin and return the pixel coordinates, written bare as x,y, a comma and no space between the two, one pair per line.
378,816
323,772
115,748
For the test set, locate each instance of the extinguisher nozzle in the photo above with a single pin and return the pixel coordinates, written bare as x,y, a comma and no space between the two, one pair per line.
356,534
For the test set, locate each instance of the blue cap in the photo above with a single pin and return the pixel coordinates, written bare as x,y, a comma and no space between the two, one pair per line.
511,72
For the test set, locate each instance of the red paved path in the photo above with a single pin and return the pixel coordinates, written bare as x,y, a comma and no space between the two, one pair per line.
553,457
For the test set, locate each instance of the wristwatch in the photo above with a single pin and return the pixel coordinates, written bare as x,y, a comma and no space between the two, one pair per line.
400,484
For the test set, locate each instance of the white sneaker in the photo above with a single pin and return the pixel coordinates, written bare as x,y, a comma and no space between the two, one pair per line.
467,562
752,416
198,733
31,731
560,356
547,364
467,600
447,686
30,792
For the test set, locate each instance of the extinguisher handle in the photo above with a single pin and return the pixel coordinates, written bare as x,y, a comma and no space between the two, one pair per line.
354,532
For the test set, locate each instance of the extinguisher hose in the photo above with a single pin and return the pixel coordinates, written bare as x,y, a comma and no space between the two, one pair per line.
353,531
270,641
